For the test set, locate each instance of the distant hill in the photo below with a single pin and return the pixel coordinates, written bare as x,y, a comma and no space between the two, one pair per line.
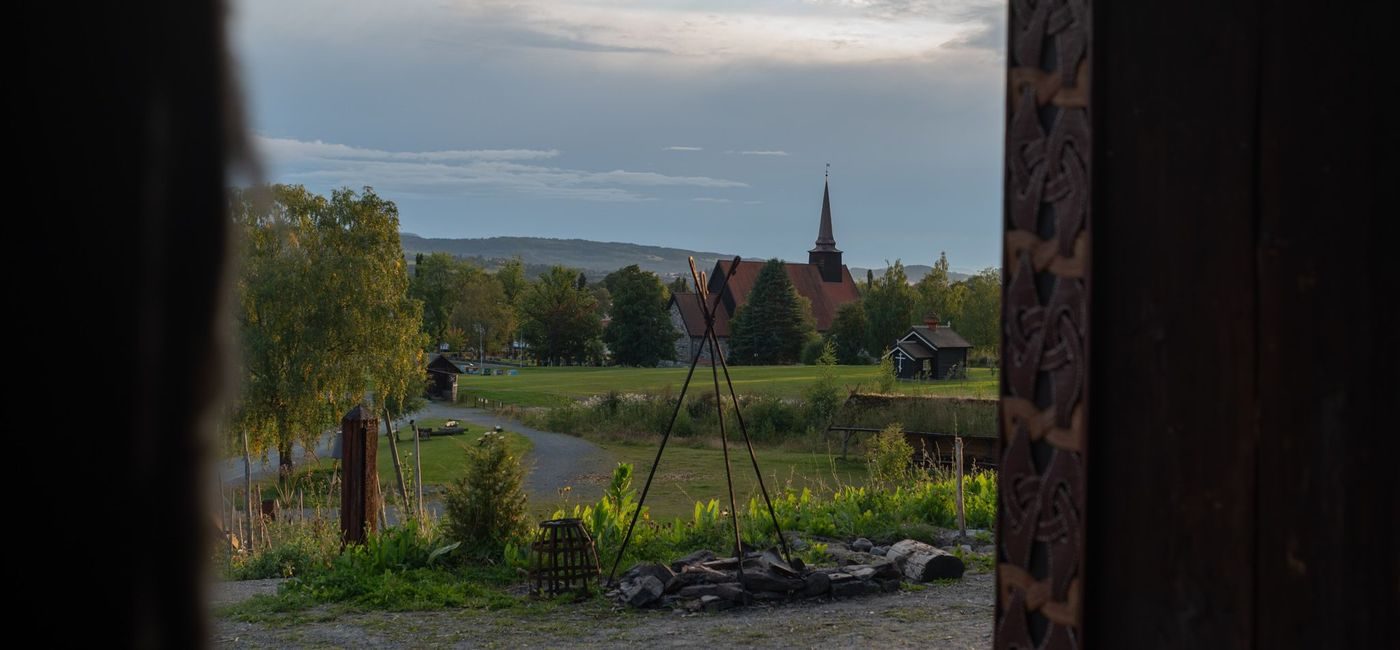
915,272
594,258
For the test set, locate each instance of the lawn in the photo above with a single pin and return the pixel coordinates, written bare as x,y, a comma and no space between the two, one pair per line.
443,461
690,474
554,386
443,456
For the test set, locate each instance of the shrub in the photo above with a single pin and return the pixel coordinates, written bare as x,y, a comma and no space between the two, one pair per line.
885,380
485,509
824,396
812,351
890,456
770,418
296,548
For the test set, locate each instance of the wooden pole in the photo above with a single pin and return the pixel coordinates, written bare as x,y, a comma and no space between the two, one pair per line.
958,462
248,487
394,451
383,509
418,473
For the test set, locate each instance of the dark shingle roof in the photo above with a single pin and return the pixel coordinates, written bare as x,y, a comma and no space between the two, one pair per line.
915,349
942,338
694,319
443,364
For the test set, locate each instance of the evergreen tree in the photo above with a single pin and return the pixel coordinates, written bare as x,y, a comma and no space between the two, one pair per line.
774,323
640,333
848,334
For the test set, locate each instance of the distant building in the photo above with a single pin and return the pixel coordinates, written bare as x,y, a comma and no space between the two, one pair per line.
933,351
824,281
442,376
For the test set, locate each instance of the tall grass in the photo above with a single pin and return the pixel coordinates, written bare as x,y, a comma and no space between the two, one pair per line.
768,419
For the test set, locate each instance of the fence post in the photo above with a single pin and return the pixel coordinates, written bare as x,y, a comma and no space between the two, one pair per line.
958,461
359,486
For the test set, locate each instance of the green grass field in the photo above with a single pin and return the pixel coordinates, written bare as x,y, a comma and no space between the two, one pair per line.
554,386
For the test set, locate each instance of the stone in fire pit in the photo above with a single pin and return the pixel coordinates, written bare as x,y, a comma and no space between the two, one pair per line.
702,582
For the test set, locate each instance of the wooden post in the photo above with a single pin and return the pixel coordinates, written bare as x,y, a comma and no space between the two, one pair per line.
247,489
958,463
359,487
394,451
417,472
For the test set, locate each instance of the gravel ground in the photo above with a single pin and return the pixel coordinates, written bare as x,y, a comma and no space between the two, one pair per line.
954,615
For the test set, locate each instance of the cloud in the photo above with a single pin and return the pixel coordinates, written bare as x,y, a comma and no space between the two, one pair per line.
710,199
812,31
287,149
461,172
684,149
764,153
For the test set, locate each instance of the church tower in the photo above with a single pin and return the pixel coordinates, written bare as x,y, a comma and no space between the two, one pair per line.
826,256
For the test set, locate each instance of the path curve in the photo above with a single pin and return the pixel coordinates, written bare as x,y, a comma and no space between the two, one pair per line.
557,460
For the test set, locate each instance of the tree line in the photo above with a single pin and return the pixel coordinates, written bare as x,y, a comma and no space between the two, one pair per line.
775,326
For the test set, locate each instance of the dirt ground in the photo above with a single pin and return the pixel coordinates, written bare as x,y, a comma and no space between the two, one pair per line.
951,615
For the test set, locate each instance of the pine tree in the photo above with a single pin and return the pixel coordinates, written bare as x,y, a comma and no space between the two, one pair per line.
774,323
848,334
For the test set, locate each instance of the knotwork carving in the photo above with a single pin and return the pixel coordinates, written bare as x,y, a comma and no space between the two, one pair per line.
1045,325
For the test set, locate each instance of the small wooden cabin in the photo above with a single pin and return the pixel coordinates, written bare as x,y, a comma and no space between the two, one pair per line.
932,351
442,376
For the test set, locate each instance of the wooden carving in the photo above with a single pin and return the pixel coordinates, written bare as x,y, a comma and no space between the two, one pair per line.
1045,344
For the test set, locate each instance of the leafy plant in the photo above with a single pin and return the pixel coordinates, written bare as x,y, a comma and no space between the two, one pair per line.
885,380
890,456
824,396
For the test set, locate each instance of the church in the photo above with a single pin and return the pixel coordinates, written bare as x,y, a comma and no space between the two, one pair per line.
824,281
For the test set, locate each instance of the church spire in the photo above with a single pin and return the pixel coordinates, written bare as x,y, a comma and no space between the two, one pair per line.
825,255
826,241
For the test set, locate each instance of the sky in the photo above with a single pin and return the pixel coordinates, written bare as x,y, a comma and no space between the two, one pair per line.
705,125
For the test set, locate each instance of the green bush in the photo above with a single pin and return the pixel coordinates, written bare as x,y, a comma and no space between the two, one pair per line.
485,509
890,457
771,418
296,547
825,395
884,382
812,351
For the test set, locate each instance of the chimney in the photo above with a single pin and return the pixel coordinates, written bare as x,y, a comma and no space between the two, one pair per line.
931,321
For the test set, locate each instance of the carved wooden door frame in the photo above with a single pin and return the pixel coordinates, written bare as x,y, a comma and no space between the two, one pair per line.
1045,326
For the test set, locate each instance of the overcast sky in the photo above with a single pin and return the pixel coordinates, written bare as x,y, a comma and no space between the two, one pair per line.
695,124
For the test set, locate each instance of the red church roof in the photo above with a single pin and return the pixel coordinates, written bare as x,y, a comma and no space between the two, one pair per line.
826,297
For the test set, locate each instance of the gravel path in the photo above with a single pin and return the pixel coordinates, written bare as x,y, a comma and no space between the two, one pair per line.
557,459
955,615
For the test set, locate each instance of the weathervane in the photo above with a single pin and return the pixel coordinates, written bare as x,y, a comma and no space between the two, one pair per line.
828,170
